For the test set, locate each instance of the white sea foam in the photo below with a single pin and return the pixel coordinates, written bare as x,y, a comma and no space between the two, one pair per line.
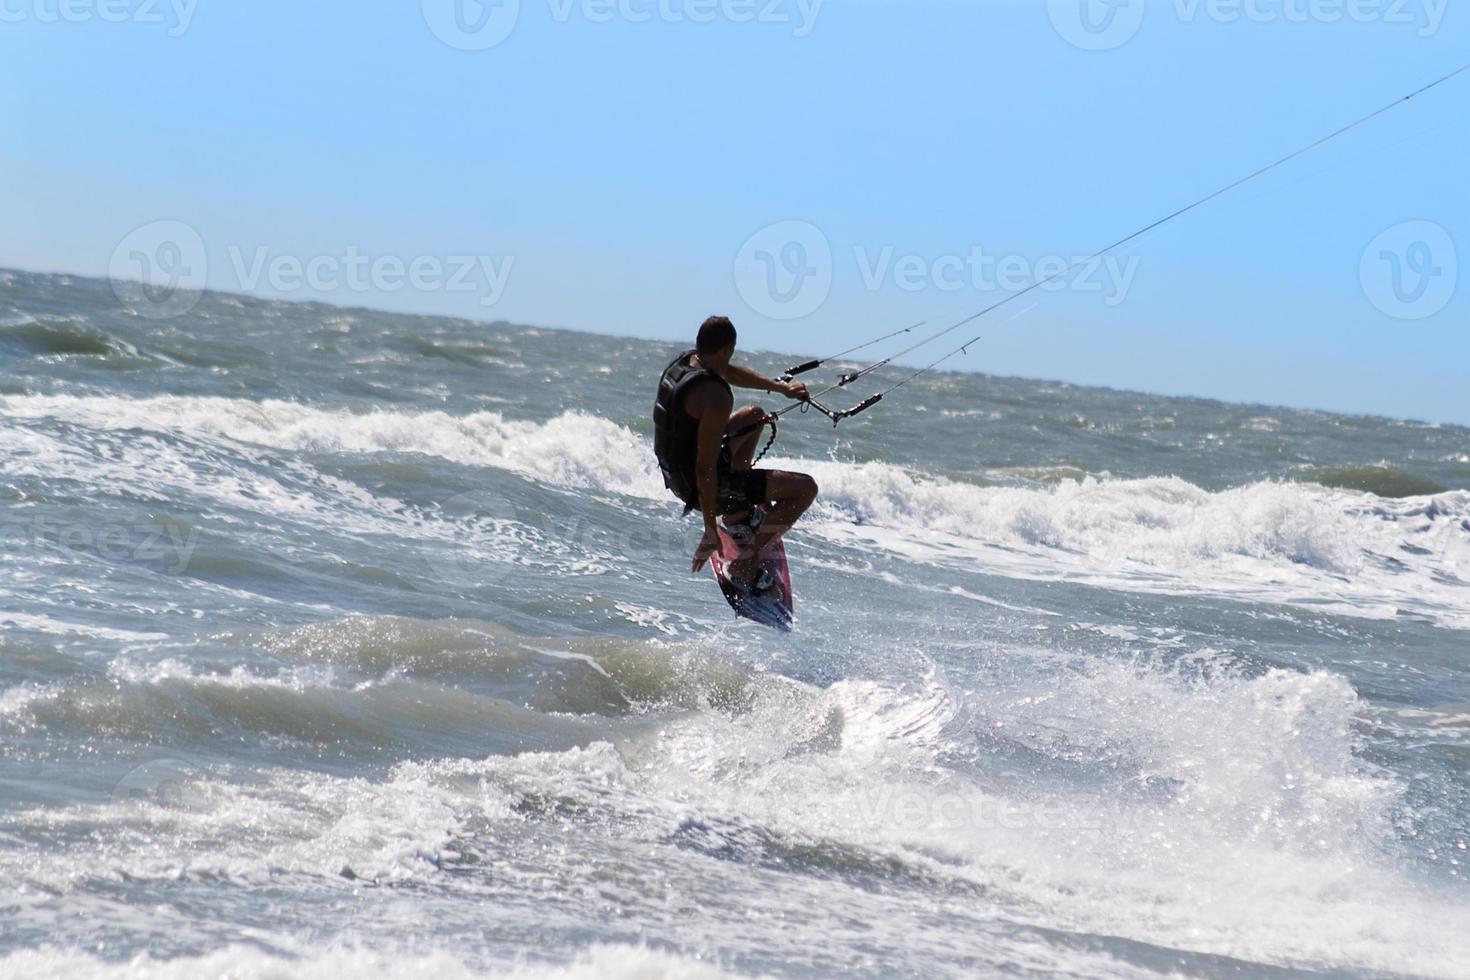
46,624
574,449
1263,819
1342,551
1212,814
250,963
1208,812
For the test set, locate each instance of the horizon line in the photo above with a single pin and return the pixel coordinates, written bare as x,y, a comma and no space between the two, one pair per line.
316,301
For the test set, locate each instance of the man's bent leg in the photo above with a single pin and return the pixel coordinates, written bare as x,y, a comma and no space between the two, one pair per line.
742,447
792,494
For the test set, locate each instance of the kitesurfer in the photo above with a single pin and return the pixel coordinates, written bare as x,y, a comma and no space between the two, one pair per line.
705,450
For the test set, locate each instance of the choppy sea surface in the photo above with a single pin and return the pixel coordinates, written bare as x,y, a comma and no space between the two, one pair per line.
336,642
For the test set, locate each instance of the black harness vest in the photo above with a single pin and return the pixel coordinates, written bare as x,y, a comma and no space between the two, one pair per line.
675,431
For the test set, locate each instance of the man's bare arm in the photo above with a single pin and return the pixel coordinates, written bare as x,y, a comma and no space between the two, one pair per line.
711,405
744,377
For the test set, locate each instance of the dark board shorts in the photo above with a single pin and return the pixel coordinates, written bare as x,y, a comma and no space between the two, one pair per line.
740,490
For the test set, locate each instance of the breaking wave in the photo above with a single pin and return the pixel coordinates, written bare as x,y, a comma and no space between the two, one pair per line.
1351,552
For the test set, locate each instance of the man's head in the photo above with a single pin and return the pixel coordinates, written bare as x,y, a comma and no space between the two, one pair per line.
716,342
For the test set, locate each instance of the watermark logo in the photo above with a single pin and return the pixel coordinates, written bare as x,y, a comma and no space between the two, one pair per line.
356,272
476,540
1096,25
799,15
977,270
784,271
170,547
484,535
479,25
169,783
175,15
1102,25
1410,271
1427,15
472,25
159,270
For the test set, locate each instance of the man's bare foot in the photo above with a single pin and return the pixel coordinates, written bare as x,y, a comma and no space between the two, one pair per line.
742,528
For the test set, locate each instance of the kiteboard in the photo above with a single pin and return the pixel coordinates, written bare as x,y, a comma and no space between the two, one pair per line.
775,607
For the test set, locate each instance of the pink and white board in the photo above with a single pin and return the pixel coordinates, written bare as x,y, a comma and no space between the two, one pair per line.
776,608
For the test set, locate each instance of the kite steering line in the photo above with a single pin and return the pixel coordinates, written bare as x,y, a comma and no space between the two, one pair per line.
837,417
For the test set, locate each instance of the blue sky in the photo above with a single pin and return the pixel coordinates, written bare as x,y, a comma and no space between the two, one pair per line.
823,172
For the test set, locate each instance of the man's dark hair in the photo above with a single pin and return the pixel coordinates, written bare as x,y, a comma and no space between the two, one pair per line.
715,334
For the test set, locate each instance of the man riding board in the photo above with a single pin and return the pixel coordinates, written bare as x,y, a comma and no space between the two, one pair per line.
705,450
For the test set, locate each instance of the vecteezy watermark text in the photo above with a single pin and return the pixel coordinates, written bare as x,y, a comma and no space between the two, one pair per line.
786,271
175,15
155,543
1426,15
799,15
1102,25
357,272
159,271
478,25
977,270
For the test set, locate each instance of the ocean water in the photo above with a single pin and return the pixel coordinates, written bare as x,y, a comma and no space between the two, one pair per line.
336,642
